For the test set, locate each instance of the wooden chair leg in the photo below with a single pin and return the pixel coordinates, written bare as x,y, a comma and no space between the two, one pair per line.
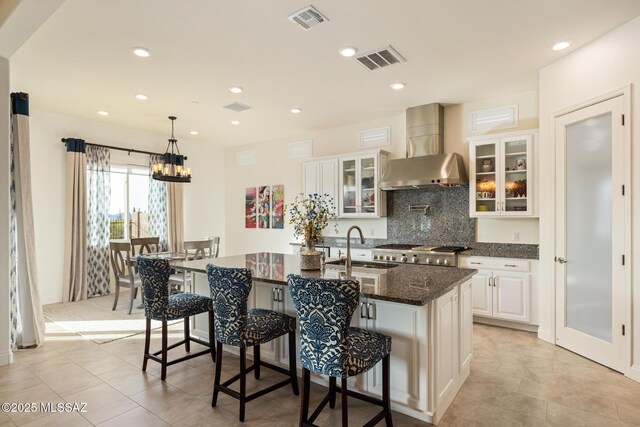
293,373
187,341
212,336
243,381
343,397
216,380
163,374
131,296
332,392
304,398
386,390
147,343
115,301
256,361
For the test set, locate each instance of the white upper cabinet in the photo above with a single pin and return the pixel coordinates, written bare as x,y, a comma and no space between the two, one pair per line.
501,175
321,177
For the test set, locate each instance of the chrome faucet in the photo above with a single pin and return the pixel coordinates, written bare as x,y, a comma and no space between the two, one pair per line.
347,262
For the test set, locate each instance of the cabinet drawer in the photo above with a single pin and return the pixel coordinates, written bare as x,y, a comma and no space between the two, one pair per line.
507,264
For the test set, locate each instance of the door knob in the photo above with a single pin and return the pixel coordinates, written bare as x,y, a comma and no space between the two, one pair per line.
560,260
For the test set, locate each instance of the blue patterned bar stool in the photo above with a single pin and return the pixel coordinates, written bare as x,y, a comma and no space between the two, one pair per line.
329,346
239,327
159,305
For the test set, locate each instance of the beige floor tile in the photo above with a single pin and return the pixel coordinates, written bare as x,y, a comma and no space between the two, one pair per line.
611,391
37,394
479,391
103,402
544,390
67,379
169,403
129,380
489,377
629,413
561,415
520,403
15,379
60,419
96,361
588,403
463,408
138,417
5,420
493,416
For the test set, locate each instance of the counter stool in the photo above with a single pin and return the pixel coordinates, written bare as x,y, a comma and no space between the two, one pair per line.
239,327
159,305
328,346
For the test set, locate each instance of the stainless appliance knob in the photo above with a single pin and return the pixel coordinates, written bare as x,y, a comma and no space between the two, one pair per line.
428,261
393,258
388,257
375,257
446,262
415,259
404,258
438,261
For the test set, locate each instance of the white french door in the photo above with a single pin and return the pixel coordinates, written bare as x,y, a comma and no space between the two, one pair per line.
590,233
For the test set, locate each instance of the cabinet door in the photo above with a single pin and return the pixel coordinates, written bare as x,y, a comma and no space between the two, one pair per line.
482,293
466,324
311,177
329,180
406,326
348,187
265,296
288,308
515,190
511,296
368,186
446,344
484,178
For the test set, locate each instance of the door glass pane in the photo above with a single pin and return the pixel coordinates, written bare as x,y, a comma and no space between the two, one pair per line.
349,186
368,185
515,184
118,208
588,219
139,205
486,178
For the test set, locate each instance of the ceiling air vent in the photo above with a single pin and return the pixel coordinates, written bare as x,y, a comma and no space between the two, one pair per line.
237,106
380,58
308,17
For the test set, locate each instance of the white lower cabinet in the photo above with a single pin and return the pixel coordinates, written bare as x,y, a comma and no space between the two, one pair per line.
502,288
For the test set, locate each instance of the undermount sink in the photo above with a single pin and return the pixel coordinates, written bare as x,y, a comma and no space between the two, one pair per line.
364,264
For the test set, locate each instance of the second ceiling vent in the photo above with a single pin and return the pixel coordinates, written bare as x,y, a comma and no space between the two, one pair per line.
308,17
379,58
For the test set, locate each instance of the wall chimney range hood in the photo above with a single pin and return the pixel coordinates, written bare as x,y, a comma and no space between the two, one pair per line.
425,165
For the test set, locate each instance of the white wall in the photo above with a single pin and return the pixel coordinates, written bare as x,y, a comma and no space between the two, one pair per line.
48,161
5,347
604,65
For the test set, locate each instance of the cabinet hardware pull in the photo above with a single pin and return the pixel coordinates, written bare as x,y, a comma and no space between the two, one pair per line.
371,311
273,295
475,262
362,315
279,295
510,265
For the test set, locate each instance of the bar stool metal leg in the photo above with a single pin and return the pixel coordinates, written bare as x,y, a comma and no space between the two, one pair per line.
187,341
216,381
163,374
147,344
243,381
304,399
386,392
343,396
256,361
332,392
293,373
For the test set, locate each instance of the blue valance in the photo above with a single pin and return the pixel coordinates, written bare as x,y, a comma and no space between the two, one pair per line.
20,103
76,145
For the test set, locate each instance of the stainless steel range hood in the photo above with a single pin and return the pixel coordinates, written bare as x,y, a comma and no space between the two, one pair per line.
425,165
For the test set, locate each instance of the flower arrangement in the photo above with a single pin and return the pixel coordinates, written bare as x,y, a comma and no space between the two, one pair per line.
310,215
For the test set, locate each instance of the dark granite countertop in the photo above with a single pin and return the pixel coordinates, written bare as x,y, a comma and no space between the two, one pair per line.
406,284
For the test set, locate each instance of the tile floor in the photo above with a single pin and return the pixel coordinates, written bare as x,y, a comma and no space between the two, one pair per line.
515,380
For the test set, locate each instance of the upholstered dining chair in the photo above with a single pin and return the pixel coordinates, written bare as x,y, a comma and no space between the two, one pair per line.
160,306
195,249
236,326
329,346
120,255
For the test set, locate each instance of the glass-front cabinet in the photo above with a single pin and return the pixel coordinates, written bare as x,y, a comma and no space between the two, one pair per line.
501,175
360,195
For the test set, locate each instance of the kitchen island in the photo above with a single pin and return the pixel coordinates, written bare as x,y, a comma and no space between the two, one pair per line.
427,310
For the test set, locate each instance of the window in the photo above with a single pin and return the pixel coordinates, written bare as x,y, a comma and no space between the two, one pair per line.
129,210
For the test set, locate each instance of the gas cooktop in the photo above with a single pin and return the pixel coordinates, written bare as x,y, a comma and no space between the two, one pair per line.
418,254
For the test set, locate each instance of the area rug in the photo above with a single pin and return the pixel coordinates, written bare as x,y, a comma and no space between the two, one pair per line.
94,319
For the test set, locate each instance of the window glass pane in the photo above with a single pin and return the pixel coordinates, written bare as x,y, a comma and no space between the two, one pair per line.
139,204
118,205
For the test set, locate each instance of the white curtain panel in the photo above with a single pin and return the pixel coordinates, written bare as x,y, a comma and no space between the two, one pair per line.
98,232
176,216
158,206
75,230
27,320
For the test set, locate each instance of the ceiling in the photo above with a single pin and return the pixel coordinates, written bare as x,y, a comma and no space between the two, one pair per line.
80,60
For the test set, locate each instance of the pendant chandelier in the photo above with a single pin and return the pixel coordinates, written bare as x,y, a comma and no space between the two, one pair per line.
172,168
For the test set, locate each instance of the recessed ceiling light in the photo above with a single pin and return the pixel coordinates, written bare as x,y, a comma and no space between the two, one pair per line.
194,132
236,89
142,97
103,113
141,52
562,45
235,122
296,110
348,51
397,85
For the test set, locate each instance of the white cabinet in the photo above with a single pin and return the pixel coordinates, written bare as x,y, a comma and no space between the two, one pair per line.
446,344
466,326
271,297
501,288
321,177
359,193
501,175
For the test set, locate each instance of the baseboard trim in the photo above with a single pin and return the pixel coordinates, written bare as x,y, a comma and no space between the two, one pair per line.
505,324
545,335
6,358
634,373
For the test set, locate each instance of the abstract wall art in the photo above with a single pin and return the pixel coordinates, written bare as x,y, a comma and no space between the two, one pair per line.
277,206
264,206
250,208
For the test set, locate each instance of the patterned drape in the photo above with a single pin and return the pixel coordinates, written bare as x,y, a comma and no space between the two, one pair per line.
26,318
158,206
98,201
